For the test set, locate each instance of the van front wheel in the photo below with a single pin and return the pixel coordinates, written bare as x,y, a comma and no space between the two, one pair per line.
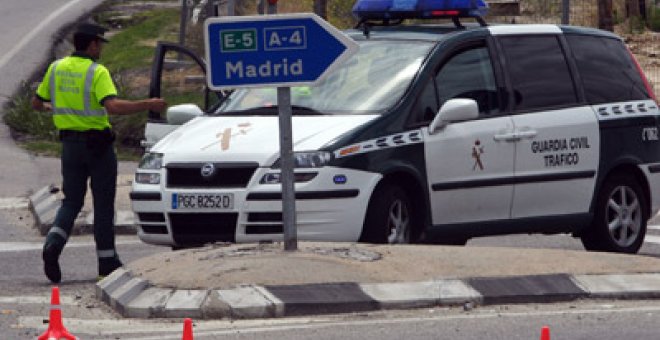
389,216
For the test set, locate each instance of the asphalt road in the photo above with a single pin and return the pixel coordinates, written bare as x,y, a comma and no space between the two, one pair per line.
28,29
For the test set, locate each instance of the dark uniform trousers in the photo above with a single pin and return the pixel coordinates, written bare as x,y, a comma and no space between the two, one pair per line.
84,156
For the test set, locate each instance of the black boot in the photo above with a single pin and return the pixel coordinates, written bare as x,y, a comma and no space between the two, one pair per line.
51,255
108,265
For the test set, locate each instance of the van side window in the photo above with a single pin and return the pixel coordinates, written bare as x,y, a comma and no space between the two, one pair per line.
469,74
539,72
606,69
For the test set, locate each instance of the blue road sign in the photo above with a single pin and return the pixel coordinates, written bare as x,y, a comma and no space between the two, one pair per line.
272,51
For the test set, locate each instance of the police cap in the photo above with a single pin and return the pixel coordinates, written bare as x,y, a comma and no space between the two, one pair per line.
92,30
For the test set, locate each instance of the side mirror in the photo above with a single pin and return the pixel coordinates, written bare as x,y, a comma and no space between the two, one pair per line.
179,114
454,110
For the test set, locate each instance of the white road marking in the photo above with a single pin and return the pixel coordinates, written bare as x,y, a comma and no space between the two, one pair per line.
151,327
29,38
29,246
652,239
222,327
14,203
34,300
653,227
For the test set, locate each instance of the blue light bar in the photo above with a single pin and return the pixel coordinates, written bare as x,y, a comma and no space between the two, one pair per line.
418,9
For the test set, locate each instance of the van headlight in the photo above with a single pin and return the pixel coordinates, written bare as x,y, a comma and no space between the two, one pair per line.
298,177
151,161
308,159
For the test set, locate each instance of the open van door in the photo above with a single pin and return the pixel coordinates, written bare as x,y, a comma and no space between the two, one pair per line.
178,75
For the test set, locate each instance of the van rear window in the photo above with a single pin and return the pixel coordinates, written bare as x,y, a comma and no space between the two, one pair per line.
608,72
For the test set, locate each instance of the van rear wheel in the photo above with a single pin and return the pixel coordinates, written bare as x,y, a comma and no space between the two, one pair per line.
619,223
389,216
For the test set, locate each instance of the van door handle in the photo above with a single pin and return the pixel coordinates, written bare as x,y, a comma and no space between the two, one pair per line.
527,134
507,137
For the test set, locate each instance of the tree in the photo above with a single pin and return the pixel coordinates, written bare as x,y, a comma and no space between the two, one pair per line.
632,8
636,8
321,8
241,7
605,20
642,9
636,12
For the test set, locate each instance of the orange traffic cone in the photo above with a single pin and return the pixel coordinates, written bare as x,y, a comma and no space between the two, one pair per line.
545,333
56,329
187,329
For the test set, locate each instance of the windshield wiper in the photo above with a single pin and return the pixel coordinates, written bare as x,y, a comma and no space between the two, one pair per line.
296,110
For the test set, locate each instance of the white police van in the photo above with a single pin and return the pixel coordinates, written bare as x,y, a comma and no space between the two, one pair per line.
431,133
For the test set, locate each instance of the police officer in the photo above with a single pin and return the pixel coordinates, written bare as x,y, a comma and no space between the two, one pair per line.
80,93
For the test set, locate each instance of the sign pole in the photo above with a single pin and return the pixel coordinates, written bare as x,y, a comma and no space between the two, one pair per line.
183,23
286,168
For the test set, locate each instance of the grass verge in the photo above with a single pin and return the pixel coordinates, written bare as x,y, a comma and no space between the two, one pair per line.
654,18
54,149
133,47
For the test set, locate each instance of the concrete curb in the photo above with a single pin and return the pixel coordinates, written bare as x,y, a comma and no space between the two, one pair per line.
43,205
134,297
45,202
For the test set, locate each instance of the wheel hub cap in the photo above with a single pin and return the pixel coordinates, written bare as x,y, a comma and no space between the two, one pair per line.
624,216
398,221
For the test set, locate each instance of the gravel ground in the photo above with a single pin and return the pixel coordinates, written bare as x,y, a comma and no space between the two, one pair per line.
228,266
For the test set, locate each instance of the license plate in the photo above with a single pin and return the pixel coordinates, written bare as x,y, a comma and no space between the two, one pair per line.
202,201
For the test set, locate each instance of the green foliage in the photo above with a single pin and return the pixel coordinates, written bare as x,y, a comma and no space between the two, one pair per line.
175,98
22,119
340,14
43,147
130,48
634,25
617,18
129,129
54,149
654,18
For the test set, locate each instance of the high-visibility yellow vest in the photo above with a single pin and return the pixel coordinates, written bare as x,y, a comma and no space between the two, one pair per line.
75,86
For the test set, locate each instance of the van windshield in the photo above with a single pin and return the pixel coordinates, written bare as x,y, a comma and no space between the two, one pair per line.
371,81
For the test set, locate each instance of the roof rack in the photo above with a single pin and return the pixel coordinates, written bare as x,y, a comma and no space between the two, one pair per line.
366,24
480,20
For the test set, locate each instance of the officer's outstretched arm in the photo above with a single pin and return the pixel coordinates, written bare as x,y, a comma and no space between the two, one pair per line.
116,106
39,105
